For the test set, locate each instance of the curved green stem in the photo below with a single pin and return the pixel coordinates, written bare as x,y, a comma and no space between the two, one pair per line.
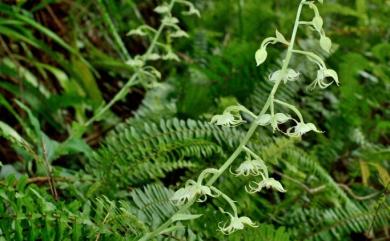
291,107
251,152
205,172
310,55
247,136
227,199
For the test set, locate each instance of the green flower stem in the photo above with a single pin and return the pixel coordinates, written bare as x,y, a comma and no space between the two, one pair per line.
248,135
270,100
251,152
133,80
291,107
310,55
305,22
204,173
227,199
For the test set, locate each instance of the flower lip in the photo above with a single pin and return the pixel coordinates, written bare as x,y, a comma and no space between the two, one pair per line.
322,74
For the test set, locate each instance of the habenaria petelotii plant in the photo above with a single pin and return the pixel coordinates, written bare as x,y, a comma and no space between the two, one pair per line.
270,115
160,48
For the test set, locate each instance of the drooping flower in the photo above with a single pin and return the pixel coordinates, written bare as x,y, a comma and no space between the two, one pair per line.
267,182
179,34
290,75
191,190
171,56
192,10
301,128
251,167
275,120
236,223
230,117
135,62
162,9
322,75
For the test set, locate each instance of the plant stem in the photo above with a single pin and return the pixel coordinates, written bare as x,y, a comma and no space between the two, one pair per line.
248,135
122,92
291,107
310,55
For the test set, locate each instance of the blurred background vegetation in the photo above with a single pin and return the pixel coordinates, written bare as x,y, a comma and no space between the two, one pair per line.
111,180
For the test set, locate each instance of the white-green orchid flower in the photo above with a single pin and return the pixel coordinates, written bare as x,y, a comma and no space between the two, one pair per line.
267,182
290,75
230,117
171,56
301,128
191,190
236,223
275,120
251,167
322,74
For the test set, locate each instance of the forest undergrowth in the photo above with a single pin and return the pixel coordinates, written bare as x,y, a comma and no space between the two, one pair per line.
195,120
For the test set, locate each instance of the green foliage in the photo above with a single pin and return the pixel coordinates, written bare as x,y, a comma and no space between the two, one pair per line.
33,214
138,151
95,124
335,223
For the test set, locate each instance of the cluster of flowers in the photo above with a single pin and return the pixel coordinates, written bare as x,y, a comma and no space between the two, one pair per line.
233,116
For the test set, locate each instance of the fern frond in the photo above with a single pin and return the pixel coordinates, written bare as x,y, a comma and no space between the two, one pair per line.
334,223
260,93
156,104
137,151
29,213
303,160
264,232
153,204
